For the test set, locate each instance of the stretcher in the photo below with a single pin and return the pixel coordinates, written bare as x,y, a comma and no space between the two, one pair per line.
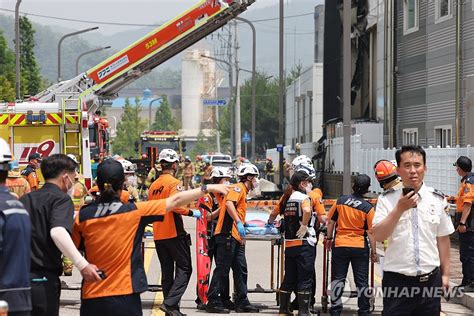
256,231
325,297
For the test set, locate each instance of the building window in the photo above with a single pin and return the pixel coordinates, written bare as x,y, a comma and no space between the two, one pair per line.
410,136
443,10
410,16
443,136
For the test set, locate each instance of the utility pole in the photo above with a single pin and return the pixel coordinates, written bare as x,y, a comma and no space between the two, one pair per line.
238,136
346,93
17,49
281,106
231,87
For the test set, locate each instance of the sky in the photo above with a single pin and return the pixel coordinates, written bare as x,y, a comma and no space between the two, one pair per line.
119,11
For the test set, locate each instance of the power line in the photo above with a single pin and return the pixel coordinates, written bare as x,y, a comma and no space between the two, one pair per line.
132,24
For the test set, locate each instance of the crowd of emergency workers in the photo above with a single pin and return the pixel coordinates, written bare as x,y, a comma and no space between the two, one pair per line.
47,230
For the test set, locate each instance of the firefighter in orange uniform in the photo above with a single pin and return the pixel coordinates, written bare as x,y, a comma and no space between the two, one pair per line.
29,173
464,221
172,242
351,217
117,229
15,182
230,245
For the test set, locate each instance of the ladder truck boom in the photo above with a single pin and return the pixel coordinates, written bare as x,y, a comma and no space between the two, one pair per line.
107,78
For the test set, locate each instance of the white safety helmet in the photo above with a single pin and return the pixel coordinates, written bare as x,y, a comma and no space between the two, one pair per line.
5,155
301,160
73,157
168,155
221,172
308,169
127,166
247,169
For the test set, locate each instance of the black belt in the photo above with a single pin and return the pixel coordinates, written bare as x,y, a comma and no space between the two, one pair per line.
419,278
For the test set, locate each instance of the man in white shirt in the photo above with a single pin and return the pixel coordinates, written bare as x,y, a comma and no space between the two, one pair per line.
416,222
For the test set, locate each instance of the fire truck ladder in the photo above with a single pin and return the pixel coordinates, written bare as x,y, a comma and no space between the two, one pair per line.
234,8
90,91
71,119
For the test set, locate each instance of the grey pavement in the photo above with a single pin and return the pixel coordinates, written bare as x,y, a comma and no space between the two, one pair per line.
258,261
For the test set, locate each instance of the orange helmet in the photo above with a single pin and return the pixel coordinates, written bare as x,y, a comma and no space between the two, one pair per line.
385,171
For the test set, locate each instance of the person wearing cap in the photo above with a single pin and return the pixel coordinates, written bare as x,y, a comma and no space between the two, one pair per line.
15,240
110,232
464,221
29,173
230,245
270,170
188,173
51,213
18,185
416,222
300,241
172,242
209,205
351,218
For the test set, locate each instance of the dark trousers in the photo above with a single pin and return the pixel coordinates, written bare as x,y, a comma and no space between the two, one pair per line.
171,252
211,250
410,304
359,260
466,255
299,269
45,293
120,305
229,253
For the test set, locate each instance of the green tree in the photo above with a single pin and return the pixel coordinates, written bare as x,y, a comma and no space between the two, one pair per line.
203,145
266,121
29,68
129,129
7,71
164,119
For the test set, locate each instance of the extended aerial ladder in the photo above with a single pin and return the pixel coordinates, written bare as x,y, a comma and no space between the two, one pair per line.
107,78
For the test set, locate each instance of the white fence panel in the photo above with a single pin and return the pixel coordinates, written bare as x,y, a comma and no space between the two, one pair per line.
440,173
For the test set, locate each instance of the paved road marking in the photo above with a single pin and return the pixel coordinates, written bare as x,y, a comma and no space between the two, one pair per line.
149,252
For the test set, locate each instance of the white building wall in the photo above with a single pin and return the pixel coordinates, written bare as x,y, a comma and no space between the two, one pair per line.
304,107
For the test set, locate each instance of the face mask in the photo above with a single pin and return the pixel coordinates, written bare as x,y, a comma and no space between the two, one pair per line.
70,191
256,183
309,187
255,188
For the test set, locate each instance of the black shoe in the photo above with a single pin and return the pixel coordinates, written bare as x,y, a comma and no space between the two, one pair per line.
246,309
213,309
229,305
170,311
201,306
